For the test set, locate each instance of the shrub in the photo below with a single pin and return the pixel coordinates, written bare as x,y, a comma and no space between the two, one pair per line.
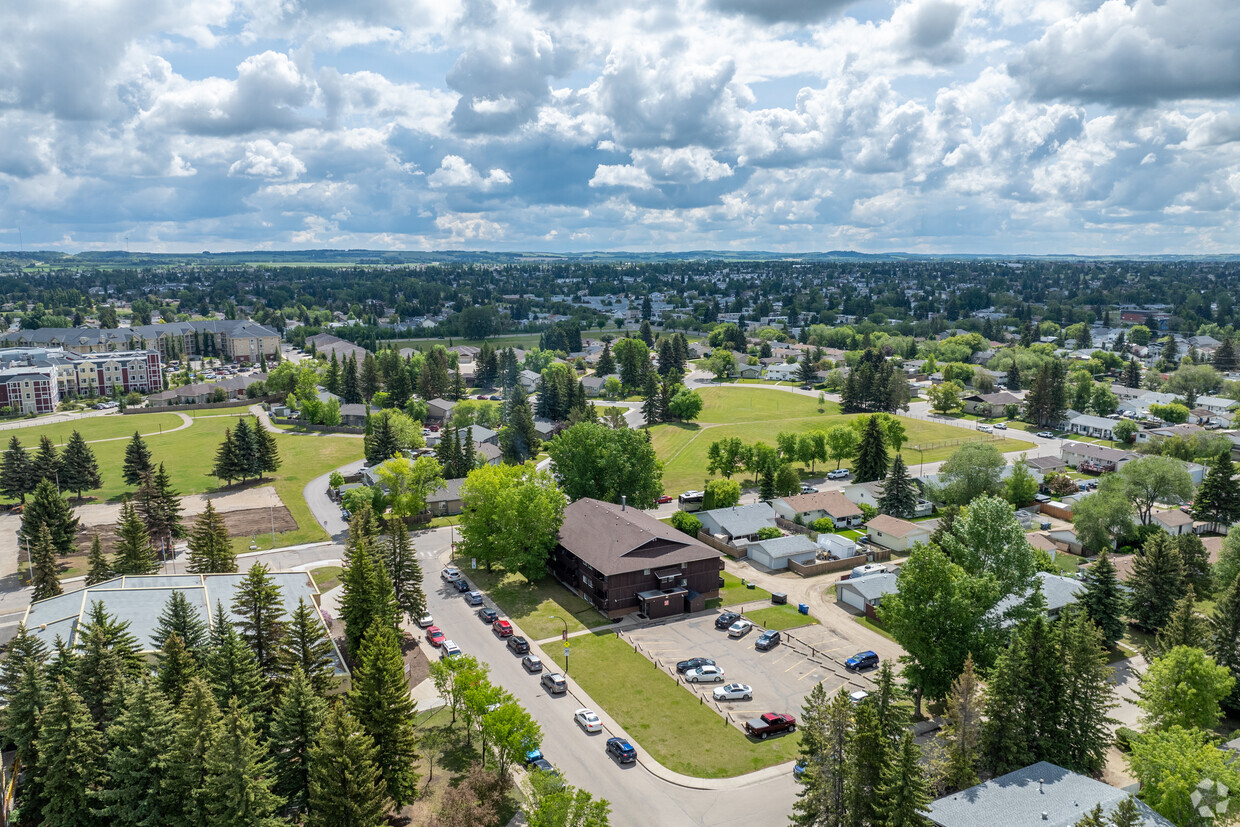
1124,738
824,525
868,512
769,532
686,522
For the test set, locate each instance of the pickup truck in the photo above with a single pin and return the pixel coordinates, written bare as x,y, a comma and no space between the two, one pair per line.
771,723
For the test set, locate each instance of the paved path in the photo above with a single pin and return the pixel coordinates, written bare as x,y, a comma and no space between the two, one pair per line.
53,419
325,510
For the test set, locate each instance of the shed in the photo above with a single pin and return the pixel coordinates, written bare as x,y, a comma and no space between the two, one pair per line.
865,593
775,554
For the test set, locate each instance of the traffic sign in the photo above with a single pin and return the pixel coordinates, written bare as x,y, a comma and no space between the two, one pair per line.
566,651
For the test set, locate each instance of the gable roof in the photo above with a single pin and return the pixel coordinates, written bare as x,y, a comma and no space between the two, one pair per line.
1100,452
832,502
739,520
789,546
870,587
1172,517
615,540
894,526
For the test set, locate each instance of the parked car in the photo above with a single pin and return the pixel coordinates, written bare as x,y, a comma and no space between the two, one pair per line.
798,769
518,645
734,692
426,621
705,674
450,573
693,663
345,515
496,398
554,683
587,720
666,498
862,660
435,637
502,628
806,488
486,614
1046,434
1000,426
858,696
449,650
535,760
621,750
770,724
461,585
726,619
473,598
768,640
740,628
532,663
806,388
839,474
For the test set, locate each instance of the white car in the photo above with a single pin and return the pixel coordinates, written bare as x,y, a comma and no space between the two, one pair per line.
734,692
838,474
587,720
705,674
740,628
1000,426
858,696
450,573
426,621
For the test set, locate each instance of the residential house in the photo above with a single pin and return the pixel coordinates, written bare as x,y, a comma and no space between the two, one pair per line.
529,380
446,501
1185,430
747,371
810,507
783,372
1057,591
327,344
989,404
896,534
869,493
1040,795
738,522
594,384
624,561
1095,458
1174,521
1045,466
438,410
1098,427
466,354
488,453
353,414
775,554
865,593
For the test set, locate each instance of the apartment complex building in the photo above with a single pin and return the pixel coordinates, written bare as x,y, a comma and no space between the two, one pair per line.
236,340
34,380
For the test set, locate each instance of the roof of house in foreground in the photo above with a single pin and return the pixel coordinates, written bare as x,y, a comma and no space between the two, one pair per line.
614,539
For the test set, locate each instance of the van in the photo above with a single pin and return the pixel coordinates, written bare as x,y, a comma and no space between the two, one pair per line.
867,569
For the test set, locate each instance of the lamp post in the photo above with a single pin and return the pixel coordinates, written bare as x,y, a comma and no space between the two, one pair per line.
564,637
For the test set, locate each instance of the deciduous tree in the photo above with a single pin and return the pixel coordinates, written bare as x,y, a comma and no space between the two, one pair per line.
511,516
1184,688
591,460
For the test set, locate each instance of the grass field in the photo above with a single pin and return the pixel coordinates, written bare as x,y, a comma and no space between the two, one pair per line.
780,617
644,699
755,414
93,428
532,605
326,577
734,591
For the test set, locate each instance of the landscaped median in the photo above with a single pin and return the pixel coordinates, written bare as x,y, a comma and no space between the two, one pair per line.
779,617
666,720
531,605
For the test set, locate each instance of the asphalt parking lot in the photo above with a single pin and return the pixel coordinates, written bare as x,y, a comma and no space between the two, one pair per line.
781,677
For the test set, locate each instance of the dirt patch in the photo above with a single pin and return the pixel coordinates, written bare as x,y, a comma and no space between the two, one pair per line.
248,522
255,495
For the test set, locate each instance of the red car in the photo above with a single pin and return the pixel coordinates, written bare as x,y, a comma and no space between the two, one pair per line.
435,636
502,627
666,498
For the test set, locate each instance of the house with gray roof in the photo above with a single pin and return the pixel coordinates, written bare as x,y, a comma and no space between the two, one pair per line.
775,554
1040,795
1098,427
865,593
1056,590
739,522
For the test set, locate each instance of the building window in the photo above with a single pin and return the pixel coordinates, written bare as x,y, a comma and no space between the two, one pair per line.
587,581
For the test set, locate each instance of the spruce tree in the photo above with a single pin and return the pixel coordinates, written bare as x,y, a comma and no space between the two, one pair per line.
1024,700
1184,627
899,495
380,701
606,362
519,439
268,456
826,727
259,612
1085,733
181,618
63,663
137,461
871,463
45,464
1217,499
381,443
1013,376
79,468
331,377
1224,639
209,549
233,670
1157,582
1196,562
904,794
368,377
44,573
1103,600
294,727
650,403
197,729
159,505
21,719
867,755
16,478
22,649
306,648
246,446
135,792
98,569
177,666
134,552
404,571
239,775
766,488
1224,360
70,759
109,657
367,595
964,729
228,464
346,787
350,393
48,507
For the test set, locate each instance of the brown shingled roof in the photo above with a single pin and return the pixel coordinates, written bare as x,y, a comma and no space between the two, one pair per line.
832,502
615,541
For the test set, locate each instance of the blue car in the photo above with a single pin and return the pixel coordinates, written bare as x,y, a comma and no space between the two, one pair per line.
798,769
862,660
621,750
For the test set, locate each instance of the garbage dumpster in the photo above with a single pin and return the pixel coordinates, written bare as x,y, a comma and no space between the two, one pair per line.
779,598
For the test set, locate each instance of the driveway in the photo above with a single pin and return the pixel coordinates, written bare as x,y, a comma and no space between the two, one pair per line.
323,507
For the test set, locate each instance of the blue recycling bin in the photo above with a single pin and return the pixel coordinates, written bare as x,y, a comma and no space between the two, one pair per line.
803,608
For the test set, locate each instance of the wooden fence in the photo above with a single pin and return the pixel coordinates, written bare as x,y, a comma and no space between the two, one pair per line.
875,555
719,545
795,528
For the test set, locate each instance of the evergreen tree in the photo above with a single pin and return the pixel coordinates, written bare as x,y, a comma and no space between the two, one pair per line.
98,569
308,649
16,476
239,775
22,714
259,611
1013,376
867,756
137,461
233,670
246,450
367,595
197,729
1224,360
177,666
404,571
964,729
606,362
24,648
48,508
650,404
904,794
1217,500
368,377
350,389
825,726
228,463
109,656
138,743
134,553
1103,600
268,450
70,757
1085,733
209,549
294,727
899,496
519,439
1184,627
346,787
1157,582
380,701
1223,642
381,443
331,377
1024,700
766,488
79,468
44,576
468,455
871,463
1131,376
1196,562
45,465
160,507
179,617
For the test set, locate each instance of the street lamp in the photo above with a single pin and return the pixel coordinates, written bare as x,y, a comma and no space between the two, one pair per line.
563,637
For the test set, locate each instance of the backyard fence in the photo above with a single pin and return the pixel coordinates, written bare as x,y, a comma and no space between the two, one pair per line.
719,545
202,406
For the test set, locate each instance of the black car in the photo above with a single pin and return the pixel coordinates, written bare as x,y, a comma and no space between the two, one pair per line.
461,585
693,663
768,640
726,619
518,645
621,750
488,615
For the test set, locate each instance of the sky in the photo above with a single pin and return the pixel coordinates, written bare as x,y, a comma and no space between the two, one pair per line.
935,126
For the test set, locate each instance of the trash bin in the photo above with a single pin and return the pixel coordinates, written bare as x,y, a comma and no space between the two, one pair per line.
803,608
751,585
779,598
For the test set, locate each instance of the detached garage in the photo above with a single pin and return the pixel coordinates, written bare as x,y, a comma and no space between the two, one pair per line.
775,554
865,593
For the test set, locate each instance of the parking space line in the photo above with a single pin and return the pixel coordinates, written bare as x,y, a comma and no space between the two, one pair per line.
795,665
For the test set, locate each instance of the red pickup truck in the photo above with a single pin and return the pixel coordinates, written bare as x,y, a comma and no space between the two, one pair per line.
771,723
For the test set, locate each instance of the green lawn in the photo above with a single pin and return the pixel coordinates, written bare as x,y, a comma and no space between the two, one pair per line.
532,605
93,428
732,405
780,617
644,700
327,577
734,592
874,626
1068,563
